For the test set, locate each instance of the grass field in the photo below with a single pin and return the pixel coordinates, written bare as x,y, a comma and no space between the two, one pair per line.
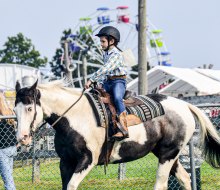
140,174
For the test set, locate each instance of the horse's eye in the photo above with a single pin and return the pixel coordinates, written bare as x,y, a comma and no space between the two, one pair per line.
29,109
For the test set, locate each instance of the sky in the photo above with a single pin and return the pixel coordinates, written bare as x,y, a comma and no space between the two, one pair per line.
190,28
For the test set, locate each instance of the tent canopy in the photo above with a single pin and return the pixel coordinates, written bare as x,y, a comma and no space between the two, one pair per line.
214,74
10,73
174,81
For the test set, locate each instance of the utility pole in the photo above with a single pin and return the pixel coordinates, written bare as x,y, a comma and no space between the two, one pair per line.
142,49
68,73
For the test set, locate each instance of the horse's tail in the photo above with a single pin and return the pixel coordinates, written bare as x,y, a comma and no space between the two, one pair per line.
209,138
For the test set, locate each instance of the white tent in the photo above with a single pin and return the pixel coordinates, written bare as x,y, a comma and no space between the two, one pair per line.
214,74
10,73
187,82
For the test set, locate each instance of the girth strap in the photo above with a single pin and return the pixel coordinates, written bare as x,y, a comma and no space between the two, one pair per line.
98,109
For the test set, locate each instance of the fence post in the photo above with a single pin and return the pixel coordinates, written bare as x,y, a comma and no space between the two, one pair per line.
192,164
121,171
35,164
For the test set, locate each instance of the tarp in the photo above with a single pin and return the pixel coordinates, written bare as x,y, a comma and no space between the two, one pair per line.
187,82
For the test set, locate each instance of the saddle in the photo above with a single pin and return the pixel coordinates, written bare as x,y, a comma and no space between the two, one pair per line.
139,108
128,100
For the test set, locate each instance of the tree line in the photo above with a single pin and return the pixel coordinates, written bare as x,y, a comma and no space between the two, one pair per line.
20,50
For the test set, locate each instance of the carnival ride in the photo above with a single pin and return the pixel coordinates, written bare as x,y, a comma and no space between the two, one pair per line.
82,43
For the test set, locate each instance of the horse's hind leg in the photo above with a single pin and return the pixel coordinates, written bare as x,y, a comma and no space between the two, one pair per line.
163,174
182,176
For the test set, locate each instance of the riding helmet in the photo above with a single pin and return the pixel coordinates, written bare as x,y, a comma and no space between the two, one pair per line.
109,31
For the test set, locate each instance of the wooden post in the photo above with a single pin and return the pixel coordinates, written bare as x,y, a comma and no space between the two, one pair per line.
67,62
142,49
84,69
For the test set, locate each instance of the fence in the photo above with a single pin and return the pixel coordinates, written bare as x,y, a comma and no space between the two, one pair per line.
37,167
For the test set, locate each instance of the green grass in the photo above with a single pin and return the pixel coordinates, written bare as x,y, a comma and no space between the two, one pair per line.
210,178
140,174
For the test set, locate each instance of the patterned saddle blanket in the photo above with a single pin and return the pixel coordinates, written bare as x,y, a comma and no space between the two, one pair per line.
145,107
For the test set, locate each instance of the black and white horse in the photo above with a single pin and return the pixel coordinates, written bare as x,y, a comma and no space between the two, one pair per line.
79,142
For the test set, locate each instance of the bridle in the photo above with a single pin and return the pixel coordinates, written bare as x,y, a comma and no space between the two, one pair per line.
35,114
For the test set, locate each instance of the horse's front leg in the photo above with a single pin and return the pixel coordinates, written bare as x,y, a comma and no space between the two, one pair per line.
67,169
83,167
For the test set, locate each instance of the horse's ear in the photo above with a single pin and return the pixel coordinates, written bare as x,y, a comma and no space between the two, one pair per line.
34,85
17,86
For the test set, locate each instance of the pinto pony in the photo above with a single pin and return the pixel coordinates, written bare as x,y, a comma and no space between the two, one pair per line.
79,142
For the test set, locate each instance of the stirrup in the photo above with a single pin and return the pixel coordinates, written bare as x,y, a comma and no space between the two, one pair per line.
122,130
119,138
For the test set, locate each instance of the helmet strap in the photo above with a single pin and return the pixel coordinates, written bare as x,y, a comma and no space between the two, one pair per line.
118,48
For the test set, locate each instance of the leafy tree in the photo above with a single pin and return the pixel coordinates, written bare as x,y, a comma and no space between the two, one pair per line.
57,65
20,50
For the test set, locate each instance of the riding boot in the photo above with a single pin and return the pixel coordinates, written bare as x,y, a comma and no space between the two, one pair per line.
122,126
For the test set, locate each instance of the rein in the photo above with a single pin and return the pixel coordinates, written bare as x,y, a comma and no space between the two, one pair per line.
58,119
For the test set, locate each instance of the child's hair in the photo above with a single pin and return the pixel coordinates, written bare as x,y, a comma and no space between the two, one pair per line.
112,38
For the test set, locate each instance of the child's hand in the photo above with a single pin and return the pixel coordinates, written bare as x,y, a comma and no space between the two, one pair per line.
88,84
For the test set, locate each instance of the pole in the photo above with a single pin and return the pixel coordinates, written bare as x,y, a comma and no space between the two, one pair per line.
35,164
142,51
67,62
192,164
121,171
84,69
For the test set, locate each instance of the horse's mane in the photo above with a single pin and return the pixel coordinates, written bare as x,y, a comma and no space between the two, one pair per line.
59,85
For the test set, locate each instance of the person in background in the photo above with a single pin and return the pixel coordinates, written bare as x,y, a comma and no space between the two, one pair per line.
112,75
7,145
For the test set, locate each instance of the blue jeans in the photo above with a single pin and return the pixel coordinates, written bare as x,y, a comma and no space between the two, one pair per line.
116,88
6,166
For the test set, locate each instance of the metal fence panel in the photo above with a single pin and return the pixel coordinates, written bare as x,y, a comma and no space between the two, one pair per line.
37,167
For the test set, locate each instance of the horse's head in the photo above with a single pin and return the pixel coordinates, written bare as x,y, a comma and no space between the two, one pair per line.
28,111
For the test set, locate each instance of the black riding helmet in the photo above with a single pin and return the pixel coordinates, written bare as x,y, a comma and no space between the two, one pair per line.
110,31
